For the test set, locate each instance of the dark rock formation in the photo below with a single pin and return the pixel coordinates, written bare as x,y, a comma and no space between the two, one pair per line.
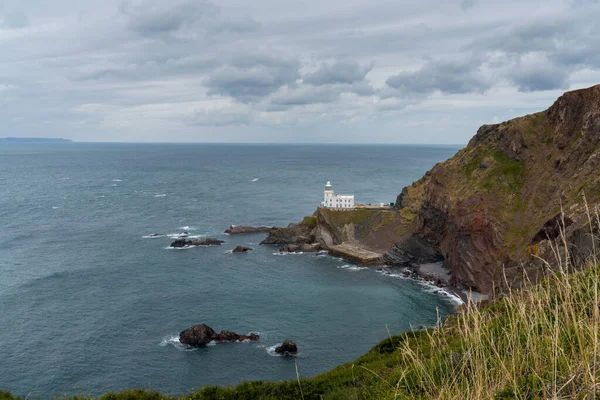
241,249
201,335
196,242
296,234
287,347
240,229
304,248
491,224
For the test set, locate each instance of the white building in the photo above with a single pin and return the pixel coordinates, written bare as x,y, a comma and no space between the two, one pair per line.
332,200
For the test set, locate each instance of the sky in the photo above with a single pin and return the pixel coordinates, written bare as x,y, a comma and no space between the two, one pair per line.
276,71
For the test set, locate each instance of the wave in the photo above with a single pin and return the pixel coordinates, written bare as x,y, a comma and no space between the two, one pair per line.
154,236
286,253
271,351
160,195
55,208
187,228
352,267
255,179
173,340
427,286
117,180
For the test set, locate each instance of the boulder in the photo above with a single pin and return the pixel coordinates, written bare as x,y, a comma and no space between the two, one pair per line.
241,249
241,229
198,335
182,242
201,335
287,347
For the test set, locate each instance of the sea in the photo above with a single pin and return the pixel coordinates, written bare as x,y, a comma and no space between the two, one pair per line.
91,302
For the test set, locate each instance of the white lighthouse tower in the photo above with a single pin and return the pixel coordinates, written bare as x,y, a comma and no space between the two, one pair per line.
331,200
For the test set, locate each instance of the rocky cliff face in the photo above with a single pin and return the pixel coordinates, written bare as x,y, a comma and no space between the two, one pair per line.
495,207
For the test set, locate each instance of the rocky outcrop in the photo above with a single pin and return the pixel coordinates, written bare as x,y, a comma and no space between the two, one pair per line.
287,347
296,234
240,229
495,208
361,235
241,249
179,243
201,335
304,248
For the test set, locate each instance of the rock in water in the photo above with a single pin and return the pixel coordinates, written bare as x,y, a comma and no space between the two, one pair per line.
240,229
287,347
201,335
241,249
198,335
196,242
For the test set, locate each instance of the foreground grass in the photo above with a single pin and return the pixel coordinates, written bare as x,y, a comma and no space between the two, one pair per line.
541,342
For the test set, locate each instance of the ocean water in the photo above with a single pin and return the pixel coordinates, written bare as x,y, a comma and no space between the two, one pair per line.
88,304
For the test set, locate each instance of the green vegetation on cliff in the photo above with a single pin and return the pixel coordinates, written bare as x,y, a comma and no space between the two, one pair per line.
540,342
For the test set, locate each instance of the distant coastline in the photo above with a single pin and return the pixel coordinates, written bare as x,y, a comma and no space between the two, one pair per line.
34,140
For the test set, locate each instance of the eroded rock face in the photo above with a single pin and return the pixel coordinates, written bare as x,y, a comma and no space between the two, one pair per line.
201,335
304,248
287,347
296,234
240,229
490,224
182,242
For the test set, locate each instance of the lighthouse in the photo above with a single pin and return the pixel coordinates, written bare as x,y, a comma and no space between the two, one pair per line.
331,200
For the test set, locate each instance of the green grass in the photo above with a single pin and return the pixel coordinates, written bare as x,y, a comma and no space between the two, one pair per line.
311,222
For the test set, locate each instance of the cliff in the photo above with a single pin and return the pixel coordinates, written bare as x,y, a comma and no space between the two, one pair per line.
494,210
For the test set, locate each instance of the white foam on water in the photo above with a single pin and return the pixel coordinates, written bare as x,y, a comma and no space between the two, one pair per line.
173,340
255,179
55,208
352,267
160,195
286,253
271,351
187,228
117,180
391,274
113,185
211,343
427,287
153,236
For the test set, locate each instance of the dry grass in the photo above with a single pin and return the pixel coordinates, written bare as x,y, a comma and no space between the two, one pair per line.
540,342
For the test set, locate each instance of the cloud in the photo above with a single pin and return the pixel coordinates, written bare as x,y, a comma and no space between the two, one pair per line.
467,4
304,95
534,72
156,69
248,79
183,18
151,17
443,76
13,19
338,72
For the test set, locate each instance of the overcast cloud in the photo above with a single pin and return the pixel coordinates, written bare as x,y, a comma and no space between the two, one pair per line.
351,71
